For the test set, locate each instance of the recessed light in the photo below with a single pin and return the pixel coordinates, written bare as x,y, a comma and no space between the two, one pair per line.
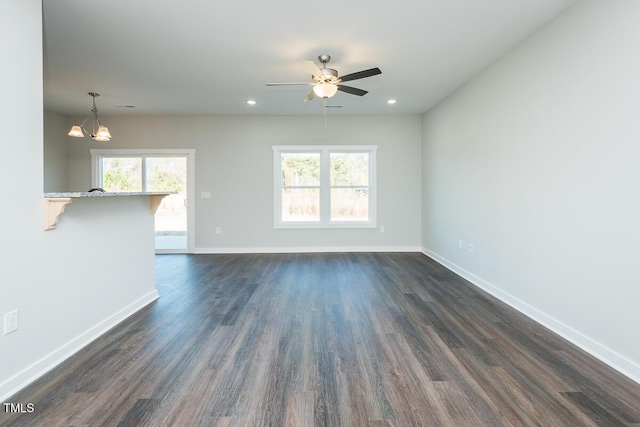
391,101
251,102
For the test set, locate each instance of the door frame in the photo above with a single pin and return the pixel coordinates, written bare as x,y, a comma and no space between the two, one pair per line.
96,173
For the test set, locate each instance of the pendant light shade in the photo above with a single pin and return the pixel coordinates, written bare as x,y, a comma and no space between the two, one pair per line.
76,131
103,134
325,90
98,131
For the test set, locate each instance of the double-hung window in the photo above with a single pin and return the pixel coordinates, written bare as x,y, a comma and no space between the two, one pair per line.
328,186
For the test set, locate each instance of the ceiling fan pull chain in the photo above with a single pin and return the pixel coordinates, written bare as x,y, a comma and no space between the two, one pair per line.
324,112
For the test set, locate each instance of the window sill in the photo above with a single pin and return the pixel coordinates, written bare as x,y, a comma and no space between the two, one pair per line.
333,225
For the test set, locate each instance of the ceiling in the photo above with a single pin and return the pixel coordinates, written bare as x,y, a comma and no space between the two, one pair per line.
201,57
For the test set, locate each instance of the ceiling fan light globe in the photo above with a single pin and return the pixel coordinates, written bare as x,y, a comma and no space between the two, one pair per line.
325,90
76,132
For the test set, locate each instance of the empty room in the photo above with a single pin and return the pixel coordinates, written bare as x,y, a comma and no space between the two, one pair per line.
285,213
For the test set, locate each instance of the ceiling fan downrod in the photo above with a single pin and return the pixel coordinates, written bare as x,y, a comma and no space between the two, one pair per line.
328,74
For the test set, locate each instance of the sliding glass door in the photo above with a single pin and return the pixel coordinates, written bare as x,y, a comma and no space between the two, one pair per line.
166,170
169,174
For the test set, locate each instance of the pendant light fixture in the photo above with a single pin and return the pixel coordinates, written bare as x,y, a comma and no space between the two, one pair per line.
98,131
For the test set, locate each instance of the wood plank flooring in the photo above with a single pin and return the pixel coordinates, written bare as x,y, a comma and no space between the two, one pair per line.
326,340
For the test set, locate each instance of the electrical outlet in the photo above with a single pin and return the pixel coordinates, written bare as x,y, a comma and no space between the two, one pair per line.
382,228
470,248
10,322
218,230
205,194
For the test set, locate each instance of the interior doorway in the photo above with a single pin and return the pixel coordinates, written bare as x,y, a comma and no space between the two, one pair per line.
153,170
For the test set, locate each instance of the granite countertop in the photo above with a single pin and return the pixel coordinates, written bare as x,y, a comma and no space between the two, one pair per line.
79,194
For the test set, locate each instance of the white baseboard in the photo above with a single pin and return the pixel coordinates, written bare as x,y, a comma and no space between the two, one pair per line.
306,249
25,377
618,362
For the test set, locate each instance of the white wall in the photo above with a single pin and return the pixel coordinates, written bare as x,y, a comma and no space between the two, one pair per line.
537,163
234,161
55,152
67,288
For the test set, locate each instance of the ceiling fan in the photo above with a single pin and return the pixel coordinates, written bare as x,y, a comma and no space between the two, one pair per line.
326,82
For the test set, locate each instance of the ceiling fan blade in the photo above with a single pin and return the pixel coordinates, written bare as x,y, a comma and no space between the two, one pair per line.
291,84
312,68
309,97
361,74
352,90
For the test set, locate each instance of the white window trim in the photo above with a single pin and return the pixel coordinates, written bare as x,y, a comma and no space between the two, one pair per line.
325,187
96,173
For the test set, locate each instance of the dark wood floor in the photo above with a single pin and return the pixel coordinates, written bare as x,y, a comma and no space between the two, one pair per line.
327,340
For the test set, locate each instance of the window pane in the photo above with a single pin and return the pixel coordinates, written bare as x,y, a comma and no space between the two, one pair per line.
166,174
349,204
300,169
122,174
349,168
301,204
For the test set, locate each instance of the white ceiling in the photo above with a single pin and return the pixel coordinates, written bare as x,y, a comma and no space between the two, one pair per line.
209,57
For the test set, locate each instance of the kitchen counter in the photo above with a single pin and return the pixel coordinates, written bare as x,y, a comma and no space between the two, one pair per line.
55,203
